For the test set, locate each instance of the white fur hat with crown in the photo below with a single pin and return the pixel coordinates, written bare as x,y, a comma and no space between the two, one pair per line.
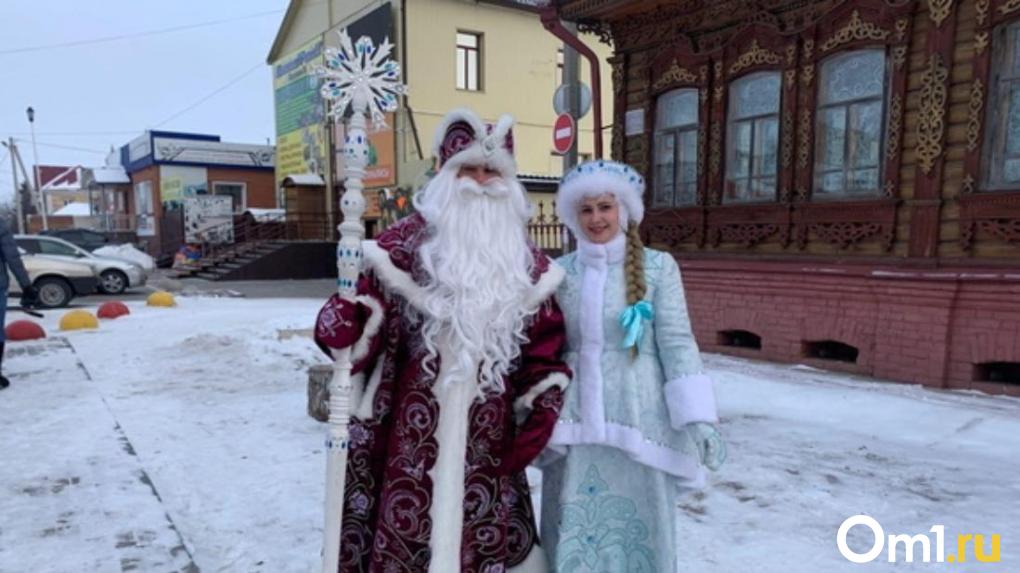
596,178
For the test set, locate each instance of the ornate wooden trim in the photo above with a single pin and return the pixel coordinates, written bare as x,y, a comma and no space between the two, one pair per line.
1009,6
748,224
855,30
846,224
931,123
675,75
938,11
993,215
754,56
975,107
895,123
674,227
618,143
981,6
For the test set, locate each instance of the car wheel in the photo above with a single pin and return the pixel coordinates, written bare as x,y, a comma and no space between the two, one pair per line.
113,282
53,292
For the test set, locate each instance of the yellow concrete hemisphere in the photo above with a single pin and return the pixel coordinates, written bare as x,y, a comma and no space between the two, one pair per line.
161,298
78,320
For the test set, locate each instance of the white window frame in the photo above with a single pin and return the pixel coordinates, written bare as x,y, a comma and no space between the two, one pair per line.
463,53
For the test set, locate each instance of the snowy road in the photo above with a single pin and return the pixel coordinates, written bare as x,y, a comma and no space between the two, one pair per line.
177,440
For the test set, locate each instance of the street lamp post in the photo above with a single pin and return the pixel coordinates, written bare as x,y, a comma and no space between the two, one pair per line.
35,170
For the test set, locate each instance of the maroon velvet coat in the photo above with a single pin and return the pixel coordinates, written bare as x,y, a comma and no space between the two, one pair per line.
386,524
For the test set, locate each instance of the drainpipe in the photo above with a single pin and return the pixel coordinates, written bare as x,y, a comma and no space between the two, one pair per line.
551,22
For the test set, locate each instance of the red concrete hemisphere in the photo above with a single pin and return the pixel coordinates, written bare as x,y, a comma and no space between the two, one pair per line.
113,309
24,330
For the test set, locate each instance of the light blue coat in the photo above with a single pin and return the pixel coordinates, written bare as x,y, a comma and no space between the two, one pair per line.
638,405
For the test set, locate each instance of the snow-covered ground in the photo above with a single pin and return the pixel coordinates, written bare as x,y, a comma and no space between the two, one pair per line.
177,440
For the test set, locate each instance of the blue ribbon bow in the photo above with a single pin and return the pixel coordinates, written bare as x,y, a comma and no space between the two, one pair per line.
633,318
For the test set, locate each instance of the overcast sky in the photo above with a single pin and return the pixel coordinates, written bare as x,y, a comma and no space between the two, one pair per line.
94,95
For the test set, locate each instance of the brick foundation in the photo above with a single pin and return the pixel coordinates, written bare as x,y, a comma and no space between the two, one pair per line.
927,327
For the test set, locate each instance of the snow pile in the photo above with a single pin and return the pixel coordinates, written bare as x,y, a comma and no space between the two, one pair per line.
128,253
178,437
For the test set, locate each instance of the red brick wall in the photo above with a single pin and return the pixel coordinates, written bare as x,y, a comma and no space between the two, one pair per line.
927,327
261,185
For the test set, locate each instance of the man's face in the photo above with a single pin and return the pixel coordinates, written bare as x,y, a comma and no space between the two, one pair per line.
482,174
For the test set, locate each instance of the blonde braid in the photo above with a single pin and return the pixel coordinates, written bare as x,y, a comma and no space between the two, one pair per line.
634,269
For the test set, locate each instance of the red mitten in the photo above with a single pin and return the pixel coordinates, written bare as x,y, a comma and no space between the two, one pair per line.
534,434
340,323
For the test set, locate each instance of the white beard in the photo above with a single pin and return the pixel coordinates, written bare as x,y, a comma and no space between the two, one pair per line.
478,264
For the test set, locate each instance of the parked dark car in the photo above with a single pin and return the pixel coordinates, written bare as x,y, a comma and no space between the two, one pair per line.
85,238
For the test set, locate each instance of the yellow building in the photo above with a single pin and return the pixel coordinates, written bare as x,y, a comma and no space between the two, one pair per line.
494,58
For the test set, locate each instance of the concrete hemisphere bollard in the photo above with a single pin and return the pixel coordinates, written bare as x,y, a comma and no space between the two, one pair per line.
112,309
21,330
78,320
161,299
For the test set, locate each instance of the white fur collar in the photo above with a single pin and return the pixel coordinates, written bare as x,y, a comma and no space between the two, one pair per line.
402,283
600,254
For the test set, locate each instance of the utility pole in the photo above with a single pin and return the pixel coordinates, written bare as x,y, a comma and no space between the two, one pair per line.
572,79
35,158
24,174
17,190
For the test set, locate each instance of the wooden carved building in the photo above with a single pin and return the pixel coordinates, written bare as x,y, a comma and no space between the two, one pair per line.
839,179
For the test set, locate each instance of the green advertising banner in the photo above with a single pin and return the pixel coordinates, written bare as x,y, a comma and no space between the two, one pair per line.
300,117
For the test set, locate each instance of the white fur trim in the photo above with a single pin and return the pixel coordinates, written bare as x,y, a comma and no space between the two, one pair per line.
524,403
571,193
447,510
535,562
360,349
365,409
401,282
690,399
589,366
630,441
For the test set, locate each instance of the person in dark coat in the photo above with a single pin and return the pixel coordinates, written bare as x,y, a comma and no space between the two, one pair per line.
10,260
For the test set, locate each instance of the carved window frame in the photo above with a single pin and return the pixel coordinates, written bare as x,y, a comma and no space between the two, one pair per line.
681,68
753,48
994,213
853,26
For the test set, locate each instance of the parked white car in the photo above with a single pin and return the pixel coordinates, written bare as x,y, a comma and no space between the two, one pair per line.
115,275
57,279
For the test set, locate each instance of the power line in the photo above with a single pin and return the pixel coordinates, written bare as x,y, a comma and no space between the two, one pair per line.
74,133
210,95
134,35
67,147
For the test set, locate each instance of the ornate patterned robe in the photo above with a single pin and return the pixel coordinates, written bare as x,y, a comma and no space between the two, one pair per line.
435,476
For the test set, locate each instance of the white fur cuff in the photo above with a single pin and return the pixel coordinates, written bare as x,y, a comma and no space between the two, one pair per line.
691,399
523,404
372,327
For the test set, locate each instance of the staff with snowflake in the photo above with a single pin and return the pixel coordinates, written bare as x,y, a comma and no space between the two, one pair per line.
361,78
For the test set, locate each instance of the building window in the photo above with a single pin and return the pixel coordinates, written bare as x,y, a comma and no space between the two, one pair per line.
1003,164
848,141
238,191
753,138
676,148
469,61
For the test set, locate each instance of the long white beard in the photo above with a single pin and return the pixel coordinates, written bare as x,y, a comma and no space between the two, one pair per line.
478,267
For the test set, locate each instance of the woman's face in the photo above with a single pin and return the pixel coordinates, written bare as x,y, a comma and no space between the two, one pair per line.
600,218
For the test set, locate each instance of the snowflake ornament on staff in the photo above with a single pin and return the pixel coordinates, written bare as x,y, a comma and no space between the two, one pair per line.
363,75
363,78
